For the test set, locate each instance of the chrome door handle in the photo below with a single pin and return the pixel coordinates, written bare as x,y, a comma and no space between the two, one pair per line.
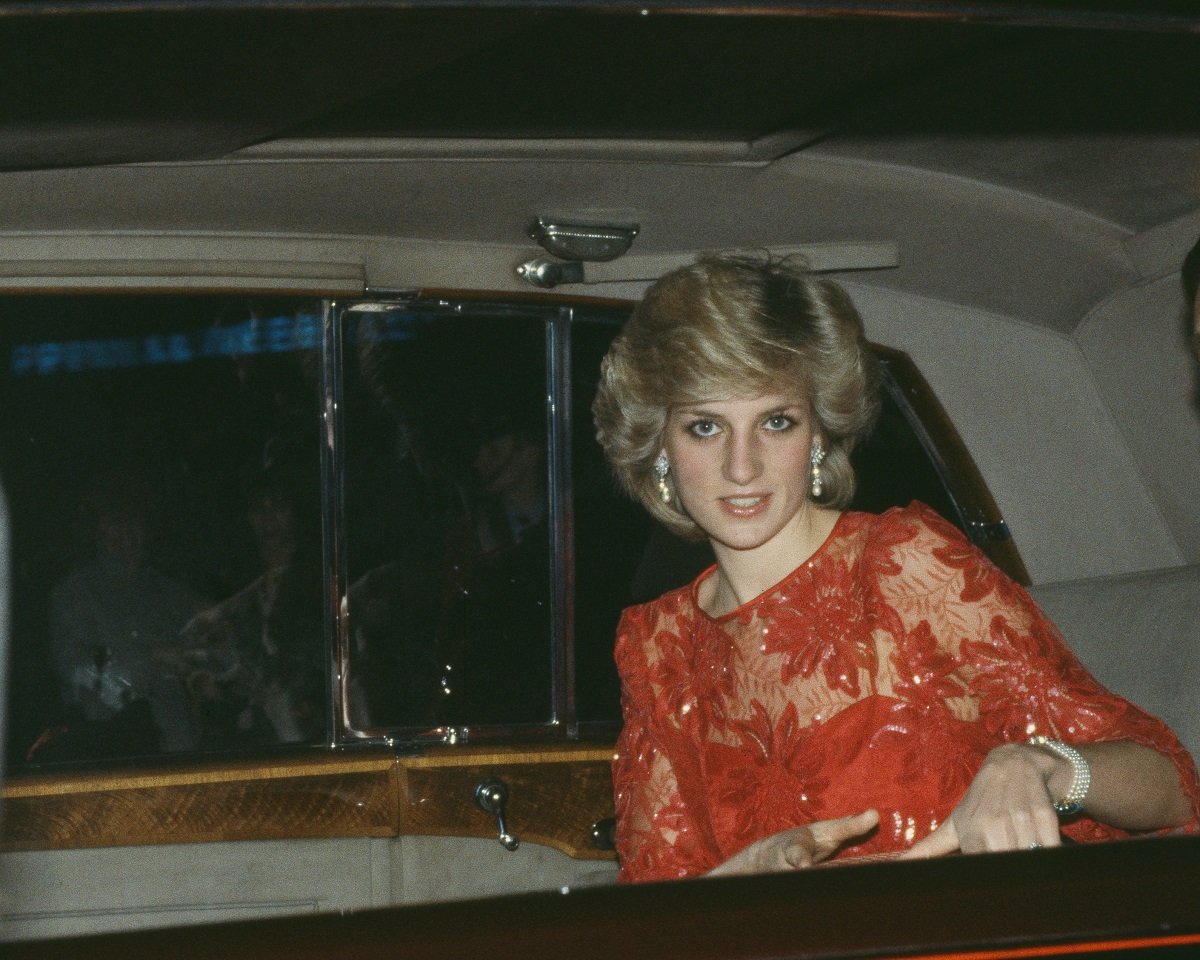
491,794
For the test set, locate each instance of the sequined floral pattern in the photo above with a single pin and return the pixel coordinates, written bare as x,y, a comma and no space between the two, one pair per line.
877,674
818,623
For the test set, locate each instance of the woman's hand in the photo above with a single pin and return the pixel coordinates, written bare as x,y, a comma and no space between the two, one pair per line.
1007,807
798,847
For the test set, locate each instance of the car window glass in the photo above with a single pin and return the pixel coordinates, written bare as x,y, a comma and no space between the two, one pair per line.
613,537
161,460
893,467
447,531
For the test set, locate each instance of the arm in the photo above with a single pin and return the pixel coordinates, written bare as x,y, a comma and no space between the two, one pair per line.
1025,680
76,640
662,833
1010,803
1133,787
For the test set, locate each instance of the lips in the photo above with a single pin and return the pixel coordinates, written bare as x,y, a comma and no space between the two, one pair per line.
747,506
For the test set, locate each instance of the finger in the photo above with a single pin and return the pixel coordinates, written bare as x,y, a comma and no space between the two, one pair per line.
801,849
829,835
943,841
822,839
1037,829
1015,830
1018,833
835,832
1047,829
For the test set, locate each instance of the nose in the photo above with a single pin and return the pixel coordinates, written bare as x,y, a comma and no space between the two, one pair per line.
743,461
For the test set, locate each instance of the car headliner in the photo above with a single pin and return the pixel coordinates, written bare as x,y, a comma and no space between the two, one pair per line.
414,143
1101,117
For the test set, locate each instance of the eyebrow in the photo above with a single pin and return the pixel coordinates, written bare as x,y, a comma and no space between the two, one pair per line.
698,407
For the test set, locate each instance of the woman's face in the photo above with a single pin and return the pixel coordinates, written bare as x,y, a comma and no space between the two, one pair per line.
741,467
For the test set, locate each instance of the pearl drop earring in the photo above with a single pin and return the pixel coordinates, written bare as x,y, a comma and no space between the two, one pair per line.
662,467
816,458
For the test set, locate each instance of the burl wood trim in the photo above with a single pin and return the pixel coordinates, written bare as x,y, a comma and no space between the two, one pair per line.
322,796
557,792
553,797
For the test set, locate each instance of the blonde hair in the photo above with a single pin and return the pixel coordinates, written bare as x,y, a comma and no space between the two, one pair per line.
735,326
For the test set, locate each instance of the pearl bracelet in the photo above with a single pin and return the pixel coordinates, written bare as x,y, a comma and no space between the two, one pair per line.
1081,776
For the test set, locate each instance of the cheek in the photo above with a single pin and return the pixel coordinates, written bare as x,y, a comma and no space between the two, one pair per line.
689,467
793,460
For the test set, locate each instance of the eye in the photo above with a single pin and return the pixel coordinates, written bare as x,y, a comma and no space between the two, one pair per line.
779,422
703,428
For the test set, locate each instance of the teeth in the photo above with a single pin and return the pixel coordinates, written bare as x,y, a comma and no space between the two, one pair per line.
743,501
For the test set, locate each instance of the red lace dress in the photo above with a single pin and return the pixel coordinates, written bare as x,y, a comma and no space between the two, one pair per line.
877,674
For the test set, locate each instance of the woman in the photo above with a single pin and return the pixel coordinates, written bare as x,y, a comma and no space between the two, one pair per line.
839,683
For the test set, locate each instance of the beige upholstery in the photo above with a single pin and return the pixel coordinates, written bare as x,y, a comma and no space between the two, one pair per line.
1139,635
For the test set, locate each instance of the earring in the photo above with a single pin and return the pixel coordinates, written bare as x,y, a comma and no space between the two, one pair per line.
661,468
816,458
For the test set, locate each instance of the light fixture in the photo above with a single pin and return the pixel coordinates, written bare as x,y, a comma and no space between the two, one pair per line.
573,244
594,242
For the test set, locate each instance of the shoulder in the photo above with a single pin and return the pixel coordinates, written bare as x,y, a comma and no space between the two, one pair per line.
916,546
920,552
643,618
915,530
70,584
899,532
84,584
169,590
916,523
642,624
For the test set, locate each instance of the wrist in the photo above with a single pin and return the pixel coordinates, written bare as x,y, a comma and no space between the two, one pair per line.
1067,794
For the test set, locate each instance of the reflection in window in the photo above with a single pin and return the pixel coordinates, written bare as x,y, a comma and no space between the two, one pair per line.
447,519
177,537
621,556
160,456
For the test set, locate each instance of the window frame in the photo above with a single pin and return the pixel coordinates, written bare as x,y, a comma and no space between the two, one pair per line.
558,316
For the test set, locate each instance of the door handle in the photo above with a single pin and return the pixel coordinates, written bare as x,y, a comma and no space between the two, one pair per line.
491,794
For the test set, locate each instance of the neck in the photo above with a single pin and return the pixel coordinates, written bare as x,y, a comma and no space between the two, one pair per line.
743,575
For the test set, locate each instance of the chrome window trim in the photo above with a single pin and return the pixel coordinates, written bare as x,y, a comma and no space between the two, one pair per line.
333,520
562,722
561,518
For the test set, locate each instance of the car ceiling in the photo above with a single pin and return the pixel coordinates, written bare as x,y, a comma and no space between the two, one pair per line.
1102,118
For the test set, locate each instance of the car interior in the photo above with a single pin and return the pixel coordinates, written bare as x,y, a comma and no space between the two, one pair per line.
313,560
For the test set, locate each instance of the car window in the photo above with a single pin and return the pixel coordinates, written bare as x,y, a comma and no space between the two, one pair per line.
333,573
488,551
447,519
252,523
161,456
613,536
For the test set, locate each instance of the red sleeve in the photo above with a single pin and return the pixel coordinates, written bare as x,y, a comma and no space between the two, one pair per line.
1022,674
660,835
